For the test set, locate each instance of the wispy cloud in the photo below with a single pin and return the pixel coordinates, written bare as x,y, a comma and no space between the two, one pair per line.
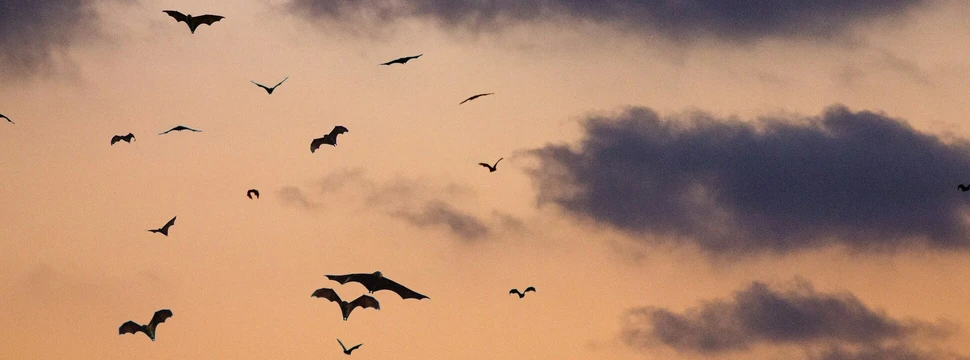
437,213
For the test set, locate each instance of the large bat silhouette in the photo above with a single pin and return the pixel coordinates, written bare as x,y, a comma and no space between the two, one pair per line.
491,168
194,21
127,138
402,60
376,282
269,90
473,97
522,294
132,327
346,350
164,229
330,139
179,128
363,301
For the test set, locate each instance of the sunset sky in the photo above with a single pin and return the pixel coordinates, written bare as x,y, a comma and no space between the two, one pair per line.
682,179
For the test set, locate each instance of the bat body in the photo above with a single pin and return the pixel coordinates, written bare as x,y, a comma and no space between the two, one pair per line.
132,327
473,97
963,187
522,294
330,139
363,301
193,21
491,168
269,90
376,282
346,350
402,60
8,119
179,128
126,138
252,192
164,229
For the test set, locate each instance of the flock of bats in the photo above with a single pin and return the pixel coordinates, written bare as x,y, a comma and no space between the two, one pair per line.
372,282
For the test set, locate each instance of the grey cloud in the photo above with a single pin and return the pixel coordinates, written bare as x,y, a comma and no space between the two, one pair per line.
293,196
34,34
856,179
438,213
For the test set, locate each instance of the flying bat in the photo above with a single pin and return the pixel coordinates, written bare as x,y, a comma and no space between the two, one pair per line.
132,327
963,187
269,90
127,138
193,21
252,192
179,128
376,282
8,119
402,60
330,138
522,294
346,350
363,301
475,97
164,229
491,168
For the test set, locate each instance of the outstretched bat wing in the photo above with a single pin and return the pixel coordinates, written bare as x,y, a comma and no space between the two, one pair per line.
129,327
368,280
160,317
177,15
169,223
260,85
315,144
206,19
354,347
528,289
405,293
485,165
337,130
365,301
116,138
281,82
326,293
516,292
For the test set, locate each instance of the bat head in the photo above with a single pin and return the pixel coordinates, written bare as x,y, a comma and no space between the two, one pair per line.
378,274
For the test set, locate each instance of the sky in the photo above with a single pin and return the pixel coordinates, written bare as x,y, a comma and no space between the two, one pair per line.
690,179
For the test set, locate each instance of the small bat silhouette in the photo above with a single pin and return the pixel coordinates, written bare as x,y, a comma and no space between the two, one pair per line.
127,138
193,21
269,90
164,229
8,119
402,60
363,301
252,192
473,97
491,168
346,350
132,327
376,282
522,294
330,139
179,128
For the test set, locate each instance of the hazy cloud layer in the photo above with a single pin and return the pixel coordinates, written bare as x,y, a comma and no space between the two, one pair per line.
734,20
858,179
34,34
437,213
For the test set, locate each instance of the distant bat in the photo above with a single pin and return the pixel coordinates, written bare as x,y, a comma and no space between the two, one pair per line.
269,90
363,301
963,187
179,128
194,21
491,168
346,350
127,138
475,97
330,138
402,60
132,327
8,119
376,282
252,192
522,294
164,228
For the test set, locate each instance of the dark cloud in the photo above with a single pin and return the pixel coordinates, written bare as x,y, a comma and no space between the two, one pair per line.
734,20
856,179
438,213
34,35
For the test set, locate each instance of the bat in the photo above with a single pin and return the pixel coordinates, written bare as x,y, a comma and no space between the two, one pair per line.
363,301
376,282
252,192
402,60
269,90
522,294
127,138
164,229
193,21
491,168
132,327
473,97
330,139
8,119
179,128
346,350
963,187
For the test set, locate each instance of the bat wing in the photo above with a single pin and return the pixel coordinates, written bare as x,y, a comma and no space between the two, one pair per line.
405,293
206,19
341,345
515,291
326,293
532,289
281,82
166,131
177,15
260,85
315,144
337,130
485,165
160,316
129,327
368,280
129,137
365,301
169,223
354,347
116,138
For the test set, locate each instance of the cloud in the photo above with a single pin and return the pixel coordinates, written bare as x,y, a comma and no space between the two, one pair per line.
293,196
826,326
732,20
34,35
436,213
856,179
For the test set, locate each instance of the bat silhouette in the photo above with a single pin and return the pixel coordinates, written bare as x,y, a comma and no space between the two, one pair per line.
963,187
8,119
330,139
132,327
376,282
522,294
363,301
127,138
179,128
252,192
164,229
269,90
473,97
193,21
346,350
491,168
402,60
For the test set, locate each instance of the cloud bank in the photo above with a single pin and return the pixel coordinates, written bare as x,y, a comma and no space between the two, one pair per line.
35,34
